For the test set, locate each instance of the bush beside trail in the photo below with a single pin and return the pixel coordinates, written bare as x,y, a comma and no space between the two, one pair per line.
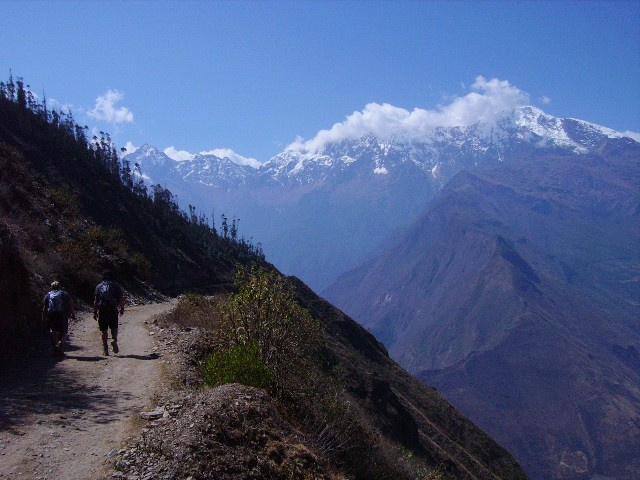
261,336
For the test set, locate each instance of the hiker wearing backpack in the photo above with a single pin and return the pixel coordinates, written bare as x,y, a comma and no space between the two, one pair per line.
58,305
108,301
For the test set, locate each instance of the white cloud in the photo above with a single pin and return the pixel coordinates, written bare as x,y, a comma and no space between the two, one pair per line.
233,156
633,135
545,100
130,147
178,155
486,101
105,108
52,103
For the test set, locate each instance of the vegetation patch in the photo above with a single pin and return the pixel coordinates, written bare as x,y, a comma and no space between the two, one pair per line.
240,364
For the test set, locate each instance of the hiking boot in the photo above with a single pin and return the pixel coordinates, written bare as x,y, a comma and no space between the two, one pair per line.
105,351
114,345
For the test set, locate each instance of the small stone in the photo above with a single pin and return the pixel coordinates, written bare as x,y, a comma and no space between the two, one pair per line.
154,414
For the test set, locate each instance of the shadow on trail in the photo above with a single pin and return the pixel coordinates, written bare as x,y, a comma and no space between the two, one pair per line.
152,356
81,358
72,348
37,383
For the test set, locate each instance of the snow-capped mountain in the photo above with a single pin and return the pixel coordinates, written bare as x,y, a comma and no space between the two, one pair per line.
442,152
445,149
320,211
207,169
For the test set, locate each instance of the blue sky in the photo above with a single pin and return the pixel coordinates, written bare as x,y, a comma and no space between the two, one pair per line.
254,76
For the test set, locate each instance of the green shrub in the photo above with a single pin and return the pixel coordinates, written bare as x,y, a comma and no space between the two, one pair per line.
264,312
64,200
107,242
140,264
78,255
240,364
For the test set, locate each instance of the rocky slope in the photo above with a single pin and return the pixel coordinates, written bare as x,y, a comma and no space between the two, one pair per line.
221,433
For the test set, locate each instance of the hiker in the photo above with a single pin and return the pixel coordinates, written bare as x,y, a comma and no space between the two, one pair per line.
108,300
58,305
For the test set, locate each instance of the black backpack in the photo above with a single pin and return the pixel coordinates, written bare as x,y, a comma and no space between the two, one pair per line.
107,295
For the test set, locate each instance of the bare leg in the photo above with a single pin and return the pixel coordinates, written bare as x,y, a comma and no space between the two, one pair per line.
114,343
105,338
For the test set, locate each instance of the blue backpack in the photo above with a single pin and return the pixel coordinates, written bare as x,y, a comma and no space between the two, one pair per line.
56,302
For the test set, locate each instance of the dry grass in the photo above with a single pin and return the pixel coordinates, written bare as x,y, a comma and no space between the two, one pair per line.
198,311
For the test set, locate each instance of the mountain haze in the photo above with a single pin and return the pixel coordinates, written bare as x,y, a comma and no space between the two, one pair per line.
516,295
358,191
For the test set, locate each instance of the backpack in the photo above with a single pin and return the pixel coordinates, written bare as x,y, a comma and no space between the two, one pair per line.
107,295
56,302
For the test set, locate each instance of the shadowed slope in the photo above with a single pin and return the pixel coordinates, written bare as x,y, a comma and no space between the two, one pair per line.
516,295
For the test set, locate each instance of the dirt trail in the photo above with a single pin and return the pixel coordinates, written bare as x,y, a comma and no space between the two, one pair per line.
64,419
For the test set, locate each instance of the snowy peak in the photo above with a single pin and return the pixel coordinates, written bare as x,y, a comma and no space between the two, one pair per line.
446,148
212,170
532,125
227,153
149,155
439,152
217,168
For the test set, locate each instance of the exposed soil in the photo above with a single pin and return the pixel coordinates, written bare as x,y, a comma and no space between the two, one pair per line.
66,418
231,432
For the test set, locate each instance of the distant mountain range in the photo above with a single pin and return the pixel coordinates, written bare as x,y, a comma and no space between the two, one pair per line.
517,295
498,262
357,192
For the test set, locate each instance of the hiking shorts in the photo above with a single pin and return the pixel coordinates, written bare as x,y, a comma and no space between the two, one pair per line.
107,319
57,322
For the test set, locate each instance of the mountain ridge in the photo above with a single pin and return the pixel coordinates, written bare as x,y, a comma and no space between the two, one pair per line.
515,294
360,191
527,124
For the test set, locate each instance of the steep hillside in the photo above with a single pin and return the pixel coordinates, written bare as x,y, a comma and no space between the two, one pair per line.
69,208
401,408
516,295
